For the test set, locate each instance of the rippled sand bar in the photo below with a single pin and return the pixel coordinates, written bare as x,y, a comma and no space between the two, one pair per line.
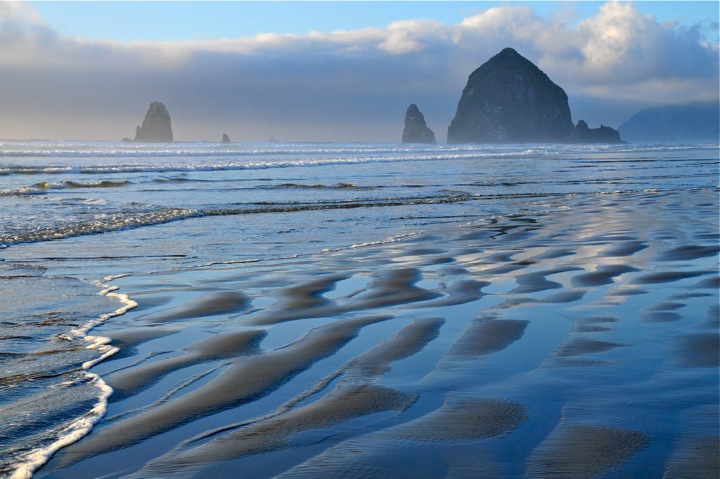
579,344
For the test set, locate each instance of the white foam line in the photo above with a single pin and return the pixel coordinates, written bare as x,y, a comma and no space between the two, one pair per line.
80,427
76,430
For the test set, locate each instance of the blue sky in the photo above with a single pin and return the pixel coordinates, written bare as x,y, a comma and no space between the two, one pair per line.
332,71
193,20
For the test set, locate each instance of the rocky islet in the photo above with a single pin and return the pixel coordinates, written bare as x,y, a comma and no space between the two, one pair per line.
510,100
156,127
416,130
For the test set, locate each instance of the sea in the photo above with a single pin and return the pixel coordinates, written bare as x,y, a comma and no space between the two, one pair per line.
76,216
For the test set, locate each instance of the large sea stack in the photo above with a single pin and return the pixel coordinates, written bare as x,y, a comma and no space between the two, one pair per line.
156,127
510,100
416,131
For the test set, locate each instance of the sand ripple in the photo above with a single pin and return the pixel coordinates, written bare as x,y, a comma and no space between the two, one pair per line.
578,344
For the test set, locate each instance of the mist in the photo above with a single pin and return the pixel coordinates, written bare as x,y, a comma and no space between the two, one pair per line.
338,86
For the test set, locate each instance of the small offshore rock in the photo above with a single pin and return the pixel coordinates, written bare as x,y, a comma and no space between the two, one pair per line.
156,127
416,130
604,134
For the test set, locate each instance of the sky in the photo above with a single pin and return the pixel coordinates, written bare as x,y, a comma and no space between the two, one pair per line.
329,70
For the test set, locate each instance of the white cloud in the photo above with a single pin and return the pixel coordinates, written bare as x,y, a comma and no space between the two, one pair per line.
345,84
20,12
609,35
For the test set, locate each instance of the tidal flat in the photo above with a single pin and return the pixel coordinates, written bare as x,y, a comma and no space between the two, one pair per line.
581,342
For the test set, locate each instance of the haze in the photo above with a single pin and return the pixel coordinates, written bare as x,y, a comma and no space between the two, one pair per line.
342,83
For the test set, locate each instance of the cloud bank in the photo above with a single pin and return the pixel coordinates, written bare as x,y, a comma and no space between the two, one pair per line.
342,85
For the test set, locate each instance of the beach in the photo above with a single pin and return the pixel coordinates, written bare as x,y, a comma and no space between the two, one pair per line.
568,345
574,338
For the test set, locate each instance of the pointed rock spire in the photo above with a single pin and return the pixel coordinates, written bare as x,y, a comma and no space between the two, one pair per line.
416,131
156,126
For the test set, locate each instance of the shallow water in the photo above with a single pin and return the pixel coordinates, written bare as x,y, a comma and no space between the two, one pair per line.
307,308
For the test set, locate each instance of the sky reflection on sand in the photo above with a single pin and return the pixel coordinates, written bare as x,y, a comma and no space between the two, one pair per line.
544,366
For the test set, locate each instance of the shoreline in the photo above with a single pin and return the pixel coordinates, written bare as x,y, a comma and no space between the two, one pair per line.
526,302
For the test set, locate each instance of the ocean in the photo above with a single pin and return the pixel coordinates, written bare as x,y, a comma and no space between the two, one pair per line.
373,294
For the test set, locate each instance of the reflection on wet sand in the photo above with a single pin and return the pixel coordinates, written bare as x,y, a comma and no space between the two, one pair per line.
573,345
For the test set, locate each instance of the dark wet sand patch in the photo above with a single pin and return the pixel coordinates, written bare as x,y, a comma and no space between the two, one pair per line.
425,252
248,378
593,325
224,302
226,345
149,301
627,291
699,349
341,405
408,341
555,254
128,339
487,336
695,458
348,401
668,276
388,288
666,306
441,260
309,295
463,419
626,248
661,316
517,235
605,274
452,271
356,459
685,295
578,451
505,269
537,281
581,346
713,317
502,257
459,292
395,287
689,252
709,283
564,297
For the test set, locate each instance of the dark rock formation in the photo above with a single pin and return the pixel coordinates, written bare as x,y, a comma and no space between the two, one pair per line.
416,131
604,134
156,126
693,122
225,138
510,100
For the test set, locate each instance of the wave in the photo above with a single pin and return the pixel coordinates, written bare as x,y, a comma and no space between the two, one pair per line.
44,186
64,434
95,184
111,158
133,219
337,186
118,222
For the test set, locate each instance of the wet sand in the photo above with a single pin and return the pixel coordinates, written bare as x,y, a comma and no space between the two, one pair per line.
579,344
